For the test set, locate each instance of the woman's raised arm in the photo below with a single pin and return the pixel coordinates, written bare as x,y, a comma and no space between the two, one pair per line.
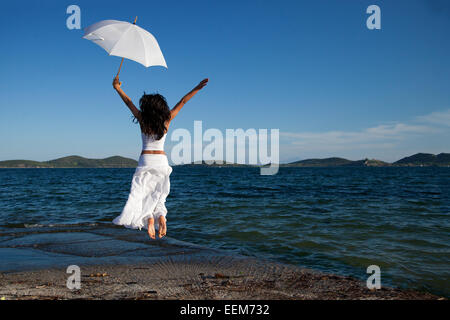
117,86
186,98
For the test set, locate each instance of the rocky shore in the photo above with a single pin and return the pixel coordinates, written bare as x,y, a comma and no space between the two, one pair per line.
187,277
117,263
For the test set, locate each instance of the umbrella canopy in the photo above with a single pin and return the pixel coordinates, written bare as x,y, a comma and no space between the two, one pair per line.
126,40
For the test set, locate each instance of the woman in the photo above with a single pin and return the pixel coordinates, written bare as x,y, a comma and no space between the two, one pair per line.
150,186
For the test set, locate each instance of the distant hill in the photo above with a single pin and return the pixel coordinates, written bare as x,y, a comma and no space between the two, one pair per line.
327,162
72,162
22,164
337,162
425,159
419,159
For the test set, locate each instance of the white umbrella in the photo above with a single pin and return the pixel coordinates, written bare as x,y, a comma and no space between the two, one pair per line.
126,40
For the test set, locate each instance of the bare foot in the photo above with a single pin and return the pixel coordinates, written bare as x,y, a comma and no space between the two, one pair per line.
151,228
162,226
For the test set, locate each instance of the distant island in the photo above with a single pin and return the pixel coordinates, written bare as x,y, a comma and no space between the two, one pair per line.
338,162
72,162
417,160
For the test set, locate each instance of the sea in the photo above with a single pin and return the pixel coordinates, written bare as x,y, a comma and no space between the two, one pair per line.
336,220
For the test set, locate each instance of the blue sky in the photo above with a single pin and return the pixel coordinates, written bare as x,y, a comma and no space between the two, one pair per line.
309,68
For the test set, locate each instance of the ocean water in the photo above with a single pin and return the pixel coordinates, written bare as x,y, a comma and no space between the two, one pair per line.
338,220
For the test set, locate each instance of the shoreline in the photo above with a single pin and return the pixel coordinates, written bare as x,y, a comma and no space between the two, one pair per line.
121,264
187,277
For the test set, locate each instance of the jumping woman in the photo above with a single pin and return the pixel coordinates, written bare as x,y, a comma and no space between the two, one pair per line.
150,186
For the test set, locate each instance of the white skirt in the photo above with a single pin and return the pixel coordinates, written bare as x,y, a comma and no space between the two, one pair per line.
149,189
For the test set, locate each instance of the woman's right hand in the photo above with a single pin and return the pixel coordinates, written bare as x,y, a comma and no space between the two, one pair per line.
202,84
116,83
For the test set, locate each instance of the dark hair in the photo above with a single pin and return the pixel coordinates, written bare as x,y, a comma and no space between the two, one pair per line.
154,114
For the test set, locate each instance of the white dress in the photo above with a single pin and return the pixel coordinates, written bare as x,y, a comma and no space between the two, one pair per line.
149,188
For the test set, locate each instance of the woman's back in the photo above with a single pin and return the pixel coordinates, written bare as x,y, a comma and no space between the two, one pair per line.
149,142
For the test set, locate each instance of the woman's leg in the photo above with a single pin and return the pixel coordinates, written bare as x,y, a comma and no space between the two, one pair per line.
160,216
151,228
162,226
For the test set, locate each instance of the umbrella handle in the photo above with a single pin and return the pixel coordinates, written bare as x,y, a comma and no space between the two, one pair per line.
120,67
